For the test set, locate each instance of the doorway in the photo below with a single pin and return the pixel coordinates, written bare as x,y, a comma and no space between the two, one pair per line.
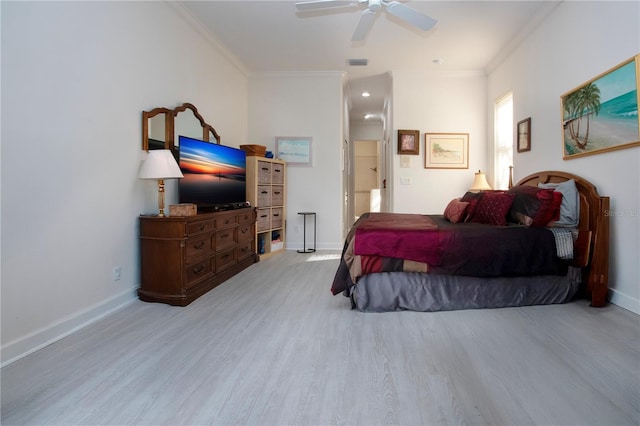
366,172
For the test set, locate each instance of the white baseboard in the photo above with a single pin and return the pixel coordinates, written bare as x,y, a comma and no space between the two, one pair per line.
624,301
38,339
319,246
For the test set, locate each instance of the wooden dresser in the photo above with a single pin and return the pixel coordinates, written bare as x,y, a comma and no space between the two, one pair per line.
184,257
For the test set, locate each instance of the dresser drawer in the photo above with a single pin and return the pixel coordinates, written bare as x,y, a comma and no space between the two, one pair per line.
244,250
277,173
247,217
198,271
245,232
226,221
264,196
264,172
277,196
264,219
225,238
276,218
195,228
199,246
225,259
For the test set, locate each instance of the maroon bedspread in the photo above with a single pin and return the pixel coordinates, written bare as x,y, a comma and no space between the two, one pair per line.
386,242
413,237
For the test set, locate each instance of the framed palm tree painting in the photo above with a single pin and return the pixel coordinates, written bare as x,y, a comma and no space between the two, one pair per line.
602,114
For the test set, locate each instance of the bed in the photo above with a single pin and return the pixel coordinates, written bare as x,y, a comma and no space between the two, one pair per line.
544,241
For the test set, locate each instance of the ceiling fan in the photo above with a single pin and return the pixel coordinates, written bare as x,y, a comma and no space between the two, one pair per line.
365,23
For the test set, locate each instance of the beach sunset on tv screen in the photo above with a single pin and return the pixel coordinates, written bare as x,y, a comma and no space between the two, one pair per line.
213,174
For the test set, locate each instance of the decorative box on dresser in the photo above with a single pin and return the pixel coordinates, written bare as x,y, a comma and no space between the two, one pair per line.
266,191
184,257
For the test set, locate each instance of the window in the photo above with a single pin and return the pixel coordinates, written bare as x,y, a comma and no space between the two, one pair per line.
503,144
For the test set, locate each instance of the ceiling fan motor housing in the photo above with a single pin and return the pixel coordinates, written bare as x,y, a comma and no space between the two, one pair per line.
374,5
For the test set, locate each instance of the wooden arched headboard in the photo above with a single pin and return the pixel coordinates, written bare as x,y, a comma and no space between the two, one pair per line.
592,246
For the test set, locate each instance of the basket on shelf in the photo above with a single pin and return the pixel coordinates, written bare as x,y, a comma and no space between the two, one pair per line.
254,150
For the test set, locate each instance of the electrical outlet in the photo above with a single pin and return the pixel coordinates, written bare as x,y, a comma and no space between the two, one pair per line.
117,270
296,229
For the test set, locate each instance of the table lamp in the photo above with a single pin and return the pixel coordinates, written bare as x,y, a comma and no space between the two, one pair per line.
160,164
480,183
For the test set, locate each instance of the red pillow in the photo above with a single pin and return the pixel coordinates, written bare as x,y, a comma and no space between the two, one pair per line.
492,208
456,210
532,206
549,210
471,198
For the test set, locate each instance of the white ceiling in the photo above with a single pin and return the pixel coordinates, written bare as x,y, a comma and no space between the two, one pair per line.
272,36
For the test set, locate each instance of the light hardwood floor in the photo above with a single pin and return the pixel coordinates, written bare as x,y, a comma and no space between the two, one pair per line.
271,346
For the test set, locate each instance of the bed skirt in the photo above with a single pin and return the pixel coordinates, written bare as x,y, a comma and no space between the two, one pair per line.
413,291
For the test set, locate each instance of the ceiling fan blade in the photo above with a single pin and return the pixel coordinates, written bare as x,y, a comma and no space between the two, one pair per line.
323,4
364,25
413,17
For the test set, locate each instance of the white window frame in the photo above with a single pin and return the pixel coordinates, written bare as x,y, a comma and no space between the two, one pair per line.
503,140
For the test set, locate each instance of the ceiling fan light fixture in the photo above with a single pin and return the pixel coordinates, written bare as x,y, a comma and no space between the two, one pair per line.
374,5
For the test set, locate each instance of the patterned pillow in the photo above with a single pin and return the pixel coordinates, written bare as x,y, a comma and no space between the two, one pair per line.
493,208
456,210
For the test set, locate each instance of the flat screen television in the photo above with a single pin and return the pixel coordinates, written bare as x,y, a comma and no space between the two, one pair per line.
214,175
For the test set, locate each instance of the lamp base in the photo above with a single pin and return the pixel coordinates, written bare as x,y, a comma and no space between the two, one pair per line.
161,197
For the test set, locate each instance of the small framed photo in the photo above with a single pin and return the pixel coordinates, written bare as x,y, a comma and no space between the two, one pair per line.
408,142
524,135
296,151
446,150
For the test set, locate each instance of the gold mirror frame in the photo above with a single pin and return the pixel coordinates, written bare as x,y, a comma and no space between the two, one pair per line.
208,132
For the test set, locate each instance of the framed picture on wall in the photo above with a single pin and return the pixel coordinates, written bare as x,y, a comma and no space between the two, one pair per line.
602,114
296,151
524,135
408,142
446,150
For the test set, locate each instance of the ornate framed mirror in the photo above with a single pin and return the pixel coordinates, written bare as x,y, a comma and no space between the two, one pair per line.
157,126
162,126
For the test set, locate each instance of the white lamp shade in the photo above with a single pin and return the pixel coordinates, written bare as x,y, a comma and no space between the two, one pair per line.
480,183
160,164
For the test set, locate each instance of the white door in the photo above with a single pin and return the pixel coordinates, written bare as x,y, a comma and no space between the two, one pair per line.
366,175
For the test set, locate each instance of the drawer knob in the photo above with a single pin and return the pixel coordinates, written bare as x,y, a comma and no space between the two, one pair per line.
199,245
198,269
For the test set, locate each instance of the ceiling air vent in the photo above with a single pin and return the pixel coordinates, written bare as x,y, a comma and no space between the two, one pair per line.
357,62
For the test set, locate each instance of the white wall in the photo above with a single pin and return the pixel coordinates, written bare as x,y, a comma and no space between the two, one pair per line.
76,77
305,104
437,103
552,61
